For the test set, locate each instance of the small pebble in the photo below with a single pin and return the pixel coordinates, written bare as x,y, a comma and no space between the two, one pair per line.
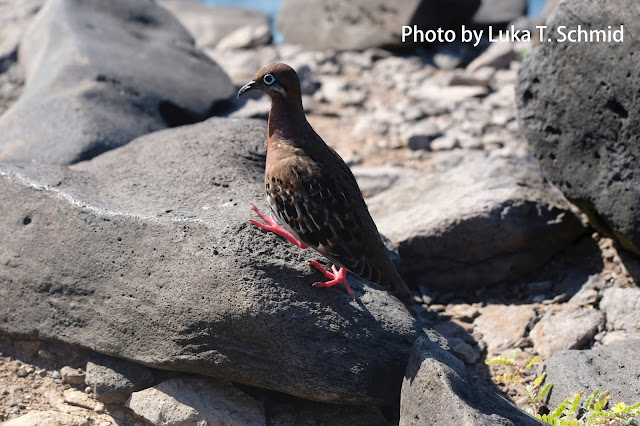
44,354
437,308
561,298
56,375
538,298
73,376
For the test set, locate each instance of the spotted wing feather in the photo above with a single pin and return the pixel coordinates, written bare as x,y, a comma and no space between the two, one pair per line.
325,210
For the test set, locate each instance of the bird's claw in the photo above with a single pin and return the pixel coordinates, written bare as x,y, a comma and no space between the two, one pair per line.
335,277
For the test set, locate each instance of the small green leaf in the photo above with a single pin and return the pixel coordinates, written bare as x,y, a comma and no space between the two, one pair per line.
556,414
602,401
538,381
533,361
575,404
544,391
588,404
509,359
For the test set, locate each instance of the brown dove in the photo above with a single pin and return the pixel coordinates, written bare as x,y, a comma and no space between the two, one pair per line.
314,197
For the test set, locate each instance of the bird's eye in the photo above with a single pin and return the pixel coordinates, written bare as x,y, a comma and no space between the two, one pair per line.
268,79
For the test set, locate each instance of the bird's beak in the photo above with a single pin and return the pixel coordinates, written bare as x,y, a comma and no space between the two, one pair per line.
249,86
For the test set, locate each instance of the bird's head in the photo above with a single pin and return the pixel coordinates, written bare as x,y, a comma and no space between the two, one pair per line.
275,80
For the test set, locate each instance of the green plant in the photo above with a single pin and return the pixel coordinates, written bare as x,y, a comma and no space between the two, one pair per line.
572,411
592,412
536,391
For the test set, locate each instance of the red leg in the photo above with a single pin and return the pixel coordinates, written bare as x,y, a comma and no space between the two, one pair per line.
337,277
271,225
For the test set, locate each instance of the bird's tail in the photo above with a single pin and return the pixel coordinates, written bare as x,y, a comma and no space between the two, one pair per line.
399,288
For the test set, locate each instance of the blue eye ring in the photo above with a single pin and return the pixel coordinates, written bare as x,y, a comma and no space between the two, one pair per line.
268,79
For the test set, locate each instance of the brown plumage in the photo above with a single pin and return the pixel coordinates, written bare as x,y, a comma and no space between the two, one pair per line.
312,192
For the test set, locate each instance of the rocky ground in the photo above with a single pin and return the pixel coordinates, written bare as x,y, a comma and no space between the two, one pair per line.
497,258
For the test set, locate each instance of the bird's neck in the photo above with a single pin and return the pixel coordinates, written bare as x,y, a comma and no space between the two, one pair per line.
286,119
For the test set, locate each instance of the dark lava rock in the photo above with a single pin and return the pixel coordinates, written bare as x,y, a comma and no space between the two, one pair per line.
437,390
196,401
615,367
113,380
146,253
578,106
100,73
477,221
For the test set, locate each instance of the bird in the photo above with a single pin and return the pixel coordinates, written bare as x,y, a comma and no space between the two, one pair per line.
313,195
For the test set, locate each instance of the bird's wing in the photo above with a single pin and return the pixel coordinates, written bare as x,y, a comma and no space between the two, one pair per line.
324,207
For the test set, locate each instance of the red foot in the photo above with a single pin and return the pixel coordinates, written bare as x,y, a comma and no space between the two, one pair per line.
271,225
337,277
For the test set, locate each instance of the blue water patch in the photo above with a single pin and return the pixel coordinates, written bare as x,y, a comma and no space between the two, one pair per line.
270,7
535,8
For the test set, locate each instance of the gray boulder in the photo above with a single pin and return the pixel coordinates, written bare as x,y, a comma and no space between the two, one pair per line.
209,25
613,367
361,24
475,221
438,390
117,70
622,307
566,327
499,11
146,253
196,401
113,380
500,335
584,131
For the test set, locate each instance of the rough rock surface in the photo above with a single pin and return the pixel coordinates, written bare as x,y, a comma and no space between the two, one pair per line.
622,306
361,24
373,180
569,327
614,367
438,390
145,253
196,401
52,417
116,70
479,221
73,376
500,335
209,25
584,131
113,380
